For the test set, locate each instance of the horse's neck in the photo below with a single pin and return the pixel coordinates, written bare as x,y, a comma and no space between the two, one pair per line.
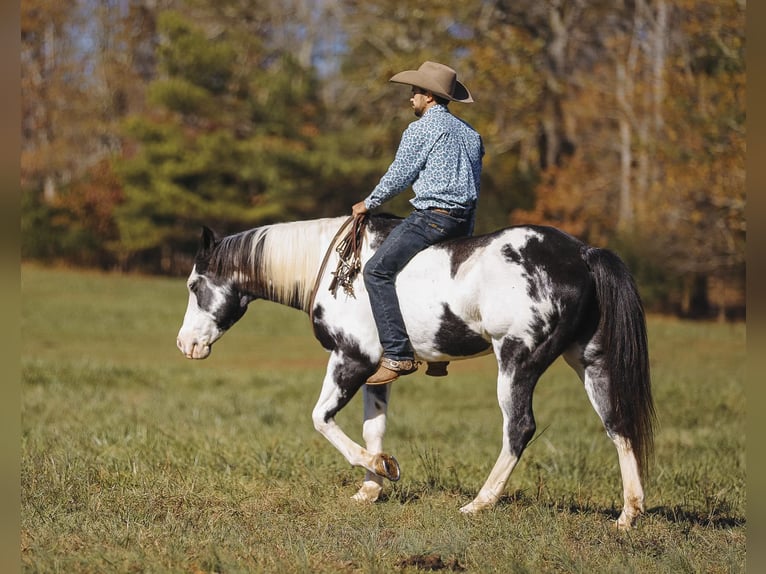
289,256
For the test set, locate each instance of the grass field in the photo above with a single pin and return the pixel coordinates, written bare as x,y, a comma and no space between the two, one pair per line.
135,459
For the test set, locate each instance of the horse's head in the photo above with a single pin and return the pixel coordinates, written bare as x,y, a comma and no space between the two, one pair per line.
215,304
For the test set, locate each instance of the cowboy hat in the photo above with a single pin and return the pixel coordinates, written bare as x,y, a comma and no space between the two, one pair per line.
438,79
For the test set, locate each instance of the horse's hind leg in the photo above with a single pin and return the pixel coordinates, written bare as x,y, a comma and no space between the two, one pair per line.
597,387
633,492
374,427
516,381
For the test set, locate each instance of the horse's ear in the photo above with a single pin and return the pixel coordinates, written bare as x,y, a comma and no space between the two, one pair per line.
208,239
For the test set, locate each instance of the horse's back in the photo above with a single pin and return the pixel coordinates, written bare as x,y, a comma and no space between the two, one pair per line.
521,282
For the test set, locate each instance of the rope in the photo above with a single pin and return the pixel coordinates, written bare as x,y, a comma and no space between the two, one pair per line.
349,262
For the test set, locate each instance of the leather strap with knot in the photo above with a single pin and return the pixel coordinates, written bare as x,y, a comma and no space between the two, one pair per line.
349,261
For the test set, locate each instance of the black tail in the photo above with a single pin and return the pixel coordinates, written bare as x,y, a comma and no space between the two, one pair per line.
622,328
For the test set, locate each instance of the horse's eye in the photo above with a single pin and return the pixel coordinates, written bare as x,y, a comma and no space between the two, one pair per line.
193,285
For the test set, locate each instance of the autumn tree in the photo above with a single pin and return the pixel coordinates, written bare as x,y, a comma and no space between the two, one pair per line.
697,218
226,141
83,65
621,122
56,107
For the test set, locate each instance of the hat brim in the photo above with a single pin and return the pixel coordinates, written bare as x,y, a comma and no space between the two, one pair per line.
420,80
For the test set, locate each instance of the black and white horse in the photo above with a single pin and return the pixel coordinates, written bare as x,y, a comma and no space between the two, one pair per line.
527,294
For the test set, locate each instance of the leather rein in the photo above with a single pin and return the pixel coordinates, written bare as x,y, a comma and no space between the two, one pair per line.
349,262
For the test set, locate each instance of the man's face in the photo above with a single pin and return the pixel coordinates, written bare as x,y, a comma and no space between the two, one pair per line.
419,101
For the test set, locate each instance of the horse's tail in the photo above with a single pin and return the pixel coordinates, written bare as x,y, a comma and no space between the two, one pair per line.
624,347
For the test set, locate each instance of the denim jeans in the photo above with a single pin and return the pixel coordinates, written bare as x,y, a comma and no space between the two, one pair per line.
421,229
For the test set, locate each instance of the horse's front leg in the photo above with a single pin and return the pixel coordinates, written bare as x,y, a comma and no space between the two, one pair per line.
345,375
375,408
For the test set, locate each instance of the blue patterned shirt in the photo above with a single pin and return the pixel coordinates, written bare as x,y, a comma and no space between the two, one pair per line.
440,156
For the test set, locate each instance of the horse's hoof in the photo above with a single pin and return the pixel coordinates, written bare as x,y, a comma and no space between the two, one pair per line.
478,505
386,466
624,522
369,492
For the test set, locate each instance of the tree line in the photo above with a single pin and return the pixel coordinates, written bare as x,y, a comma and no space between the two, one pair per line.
621,122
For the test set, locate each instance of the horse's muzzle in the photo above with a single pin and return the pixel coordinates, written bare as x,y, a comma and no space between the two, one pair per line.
193,350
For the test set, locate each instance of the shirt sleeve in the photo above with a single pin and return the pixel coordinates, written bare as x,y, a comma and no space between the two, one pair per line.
404,170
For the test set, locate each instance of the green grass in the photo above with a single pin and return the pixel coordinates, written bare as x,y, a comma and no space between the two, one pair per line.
135,459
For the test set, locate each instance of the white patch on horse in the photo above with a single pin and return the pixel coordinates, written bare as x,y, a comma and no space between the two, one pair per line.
200,329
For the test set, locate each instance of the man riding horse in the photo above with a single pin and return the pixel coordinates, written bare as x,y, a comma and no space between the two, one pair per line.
440,156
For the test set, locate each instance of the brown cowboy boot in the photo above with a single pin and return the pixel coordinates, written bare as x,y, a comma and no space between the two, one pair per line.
389,370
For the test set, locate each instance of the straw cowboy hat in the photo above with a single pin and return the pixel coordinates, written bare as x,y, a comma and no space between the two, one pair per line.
438,79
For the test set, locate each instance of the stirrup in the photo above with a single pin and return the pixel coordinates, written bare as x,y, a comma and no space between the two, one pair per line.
390,369
437,369
403,367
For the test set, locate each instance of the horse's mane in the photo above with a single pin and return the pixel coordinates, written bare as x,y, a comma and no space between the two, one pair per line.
278,262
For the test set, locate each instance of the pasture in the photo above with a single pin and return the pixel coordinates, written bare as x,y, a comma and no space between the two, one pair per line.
135,459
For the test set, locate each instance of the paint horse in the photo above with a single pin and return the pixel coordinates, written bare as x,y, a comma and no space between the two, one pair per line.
528,294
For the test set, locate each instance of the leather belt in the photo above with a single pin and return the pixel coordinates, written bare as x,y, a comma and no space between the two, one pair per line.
456,212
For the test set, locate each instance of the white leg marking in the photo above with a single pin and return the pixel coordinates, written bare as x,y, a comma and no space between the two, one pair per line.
374,427
633,493
493,488
328,400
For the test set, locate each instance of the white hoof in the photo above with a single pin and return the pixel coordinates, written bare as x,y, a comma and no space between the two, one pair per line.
481,502
633,508
475,507
625,522
369,492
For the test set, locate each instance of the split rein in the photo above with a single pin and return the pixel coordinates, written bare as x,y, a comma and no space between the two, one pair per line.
349,262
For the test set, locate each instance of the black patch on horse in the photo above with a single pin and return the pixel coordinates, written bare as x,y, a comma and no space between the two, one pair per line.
557,255
552,257
380,226
510,253
356,366
461,248
351,372
539,328
321,332
231,311
512,352
455,338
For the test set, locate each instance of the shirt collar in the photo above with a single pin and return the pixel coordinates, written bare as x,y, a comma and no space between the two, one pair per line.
437,108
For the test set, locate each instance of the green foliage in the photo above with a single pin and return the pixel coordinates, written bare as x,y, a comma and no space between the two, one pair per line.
38,231
136,459
198,162
649,269
76,226
182,96
612,121
188,54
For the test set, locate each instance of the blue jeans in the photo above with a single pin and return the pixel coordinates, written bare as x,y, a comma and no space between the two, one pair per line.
421,229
